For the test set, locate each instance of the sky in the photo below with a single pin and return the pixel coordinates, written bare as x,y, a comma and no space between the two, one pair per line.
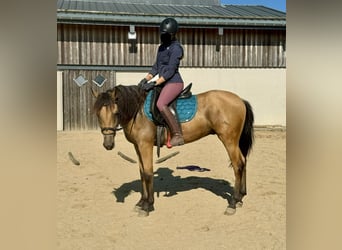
274,4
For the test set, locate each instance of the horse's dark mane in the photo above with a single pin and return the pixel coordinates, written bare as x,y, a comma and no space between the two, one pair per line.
128,98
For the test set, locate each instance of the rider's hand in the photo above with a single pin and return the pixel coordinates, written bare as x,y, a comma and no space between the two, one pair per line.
148,86
142,82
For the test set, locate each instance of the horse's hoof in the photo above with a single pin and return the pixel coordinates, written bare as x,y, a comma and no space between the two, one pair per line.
143,213
230,211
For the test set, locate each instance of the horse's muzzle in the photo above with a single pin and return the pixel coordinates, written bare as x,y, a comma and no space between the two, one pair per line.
108,142
108,146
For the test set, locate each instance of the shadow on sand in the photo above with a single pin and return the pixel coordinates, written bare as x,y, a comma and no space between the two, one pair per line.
168,185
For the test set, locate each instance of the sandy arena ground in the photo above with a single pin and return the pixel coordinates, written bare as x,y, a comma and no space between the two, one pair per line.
95,199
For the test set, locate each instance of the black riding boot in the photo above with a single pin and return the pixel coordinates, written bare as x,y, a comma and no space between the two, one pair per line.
176,131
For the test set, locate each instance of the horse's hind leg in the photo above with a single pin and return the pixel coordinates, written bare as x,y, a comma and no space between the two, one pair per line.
243,189
238,164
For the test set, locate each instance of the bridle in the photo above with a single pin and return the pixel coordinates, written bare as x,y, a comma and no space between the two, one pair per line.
112,130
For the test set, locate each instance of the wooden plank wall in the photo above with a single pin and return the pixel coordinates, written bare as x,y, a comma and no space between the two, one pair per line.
234,49
78,101
109,45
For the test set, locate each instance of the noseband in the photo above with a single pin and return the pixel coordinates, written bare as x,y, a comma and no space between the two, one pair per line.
113,130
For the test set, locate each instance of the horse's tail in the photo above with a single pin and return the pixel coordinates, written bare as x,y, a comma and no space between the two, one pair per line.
247,136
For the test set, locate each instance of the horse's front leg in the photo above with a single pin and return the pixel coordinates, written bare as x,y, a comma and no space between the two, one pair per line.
144,194
145,204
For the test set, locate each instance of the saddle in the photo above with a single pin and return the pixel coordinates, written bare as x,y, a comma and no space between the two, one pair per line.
157,116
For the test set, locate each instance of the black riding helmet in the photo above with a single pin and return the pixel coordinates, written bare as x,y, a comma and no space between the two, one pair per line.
168,30
169,25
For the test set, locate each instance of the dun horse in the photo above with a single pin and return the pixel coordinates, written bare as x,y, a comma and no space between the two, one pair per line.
218,112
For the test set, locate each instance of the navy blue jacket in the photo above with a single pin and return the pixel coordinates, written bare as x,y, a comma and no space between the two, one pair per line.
167,63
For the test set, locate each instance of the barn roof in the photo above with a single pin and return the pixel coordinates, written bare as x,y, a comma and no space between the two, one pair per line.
204,13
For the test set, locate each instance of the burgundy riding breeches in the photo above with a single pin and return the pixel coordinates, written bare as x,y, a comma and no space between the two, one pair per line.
169,92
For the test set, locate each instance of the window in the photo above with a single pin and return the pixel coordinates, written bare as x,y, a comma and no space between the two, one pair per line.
80,80
99,80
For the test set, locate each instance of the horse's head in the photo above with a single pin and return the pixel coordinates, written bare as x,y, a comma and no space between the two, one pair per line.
106,110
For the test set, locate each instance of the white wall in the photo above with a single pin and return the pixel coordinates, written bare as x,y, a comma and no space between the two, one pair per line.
265,89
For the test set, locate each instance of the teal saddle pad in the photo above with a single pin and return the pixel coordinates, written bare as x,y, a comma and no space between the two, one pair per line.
186,108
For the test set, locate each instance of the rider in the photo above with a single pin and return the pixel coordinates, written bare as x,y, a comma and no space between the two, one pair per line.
170,52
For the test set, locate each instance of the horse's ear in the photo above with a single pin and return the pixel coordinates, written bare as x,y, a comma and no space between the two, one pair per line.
94,92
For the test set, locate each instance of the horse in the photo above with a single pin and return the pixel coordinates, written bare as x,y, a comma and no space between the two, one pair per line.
218,112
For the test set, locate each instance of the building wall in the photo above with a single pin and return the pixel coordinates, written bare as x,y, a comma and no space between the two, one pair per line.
59,100
78,101
109,45
251,63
